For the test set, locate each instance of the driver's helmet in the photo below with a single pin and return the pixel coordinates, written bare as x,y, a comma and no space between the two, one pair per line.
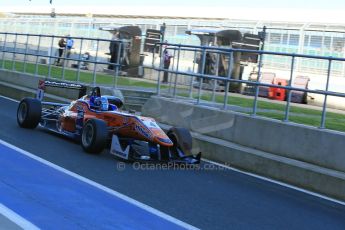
99,103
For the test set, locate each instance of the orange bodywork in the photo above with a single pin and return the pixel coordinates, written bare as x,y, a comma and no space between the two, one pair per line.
119,123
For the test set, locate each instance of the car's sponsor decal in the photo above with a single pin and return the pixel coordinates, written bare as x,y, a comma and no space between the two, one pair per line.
150,124
143,131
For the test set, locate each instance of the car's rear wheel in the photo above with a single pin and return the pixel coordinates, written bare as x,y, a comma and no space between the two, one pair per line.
29,113
94,136
182,139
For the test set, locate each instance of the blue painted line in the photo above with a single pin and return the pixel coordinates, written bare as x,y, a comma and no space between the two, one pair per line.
51,199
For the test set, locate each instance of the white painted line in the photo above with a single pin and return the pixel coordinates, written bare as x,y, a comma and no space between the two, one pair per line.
277,182
15,218
10,99
101,187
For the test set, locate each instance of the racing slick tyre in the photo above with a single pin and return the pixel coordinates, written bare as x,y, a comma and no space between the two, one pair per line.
94,136
29,113
181,138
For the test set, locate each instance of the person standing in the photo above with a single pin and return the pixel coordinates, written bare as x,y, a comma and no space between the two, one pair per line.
166,58
69,45
113,50
62,45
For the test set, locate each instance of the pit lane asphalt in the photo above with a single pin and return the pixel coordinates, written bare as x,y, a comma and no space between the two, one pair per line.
208,199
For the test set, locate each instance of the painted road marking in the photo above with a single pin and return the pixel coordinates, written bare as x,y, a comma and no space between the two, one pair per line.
29,197
15,218
277,182
10,99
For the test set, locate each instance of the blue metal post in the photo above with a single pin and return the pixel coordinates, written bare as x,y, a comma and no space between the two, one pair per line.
323,118
227,85
172,66
3,52
38,52
288,99
26,52
14,55
79,62
117,66
177,69
50,56
255,105
203,72
192,78
95,65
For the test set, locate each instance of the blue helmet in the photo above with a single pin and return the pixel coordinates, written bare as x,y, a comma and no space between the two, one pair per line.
99,103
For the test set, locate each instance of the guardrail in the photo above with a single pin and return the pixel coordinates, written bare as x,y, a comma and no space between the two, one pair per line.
20,39
229,78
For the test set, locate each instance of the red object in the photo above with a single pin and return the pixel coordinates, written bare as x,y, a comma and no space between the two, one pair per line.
278,93
41,84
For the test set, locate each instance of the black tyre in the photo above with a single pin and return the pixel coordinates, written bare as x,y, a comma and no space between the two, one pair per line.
29,113
94,136
181,138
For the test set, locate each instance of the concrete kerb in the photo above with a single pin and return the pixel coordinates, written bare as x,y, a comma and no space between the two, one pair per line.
301,171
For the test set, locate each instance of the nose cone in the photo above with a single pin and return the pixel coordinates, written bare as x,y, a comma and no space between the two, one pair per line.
164,141
161,138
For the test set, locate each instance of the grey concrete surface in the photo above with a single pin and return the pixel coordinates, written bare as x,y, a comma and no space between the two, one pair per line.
208,198
304,175
320,147
263,146
7,224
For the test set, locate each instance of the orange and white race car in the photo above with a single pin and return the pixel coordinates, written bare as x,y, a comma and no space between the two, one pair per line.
96,121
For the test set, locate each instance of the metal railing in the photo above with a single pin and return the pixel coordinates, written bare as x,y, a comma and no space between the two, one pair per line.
191,78
229,78
46,53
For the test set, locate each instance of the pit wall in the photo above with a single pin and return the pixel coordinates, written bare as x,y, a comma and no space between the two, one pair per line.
305,156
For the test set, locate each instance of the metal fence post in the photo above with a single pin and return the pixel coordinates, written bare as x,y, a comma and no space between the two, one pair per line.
3,52
95,65
161,59
78,71
255,105
14,52
26,52
215,82
177,69
288,99
37,54
50,56
117,64
64,61
203,62
192,77
173,64
323,118
227,84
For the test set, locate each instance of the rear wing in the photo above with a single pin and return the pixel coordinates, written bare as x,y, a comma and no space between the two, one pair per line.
78,89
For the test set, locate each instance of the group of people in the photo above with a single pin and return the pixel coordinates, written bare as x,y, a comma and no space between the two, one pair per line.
65,46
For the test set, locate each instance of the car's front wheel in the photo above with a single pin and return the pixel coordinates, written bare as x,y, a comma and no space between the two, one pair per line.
94,136
182,140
